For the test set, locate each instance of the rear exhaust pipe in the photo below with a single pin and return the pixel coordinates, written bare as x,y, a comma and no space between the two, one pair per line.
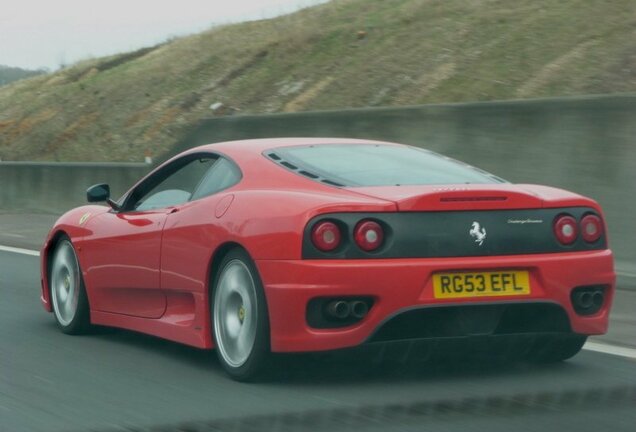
338,309
588,300
585,299
359,309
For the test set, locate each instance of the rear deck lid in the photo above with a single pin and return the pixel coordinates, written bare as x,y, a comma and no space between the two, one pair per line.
455,197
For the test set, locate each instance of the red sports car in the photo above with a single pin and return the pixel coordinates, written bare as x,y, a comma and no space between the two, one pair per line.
291,245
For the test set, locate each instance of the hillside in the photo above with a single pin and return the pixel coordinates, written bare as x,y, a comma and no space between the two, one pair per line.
347,53
10,74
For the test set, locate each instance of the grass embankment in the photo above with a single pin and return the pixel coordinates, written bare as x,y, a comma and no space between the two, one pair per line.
347,53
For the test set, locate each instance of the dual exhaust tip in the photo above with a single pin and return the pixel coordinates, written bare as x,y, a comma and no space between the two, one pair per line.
588,300
346,309
337,312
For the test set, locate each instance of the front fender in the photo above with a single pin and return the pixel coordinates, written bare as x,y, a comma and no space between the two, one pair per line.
76,225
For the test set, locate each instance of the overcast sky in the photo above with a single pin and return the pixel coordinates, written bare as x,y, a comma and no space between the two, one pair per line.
47,33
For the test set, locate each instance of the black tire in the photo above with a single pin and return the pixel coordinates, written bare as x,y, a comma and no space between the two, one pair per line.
256,361
556,349
79,321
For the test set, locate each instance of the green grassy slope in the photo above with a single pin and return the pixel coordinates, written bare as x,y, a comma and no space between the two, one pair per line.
411,52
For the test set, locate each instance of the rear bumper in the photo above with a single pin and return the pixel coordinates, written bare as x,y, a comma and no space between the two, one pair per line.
398,286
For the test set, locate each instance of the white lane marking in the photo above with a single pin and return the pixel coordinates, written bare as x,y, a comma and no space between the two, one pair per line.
626,274
12,235
610,349
19,250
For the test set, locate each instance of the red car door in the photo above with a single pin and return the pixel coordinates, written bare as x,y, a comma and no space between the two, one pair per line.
122,259
122,256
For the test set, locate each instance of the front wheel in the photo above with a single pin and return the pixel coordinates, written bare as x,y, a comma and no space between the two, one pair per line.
68,295
239,317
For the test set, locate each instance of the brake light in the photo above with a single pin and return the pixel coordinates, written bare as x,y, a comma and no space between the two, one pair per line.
325,236
368,235
591,228
565,229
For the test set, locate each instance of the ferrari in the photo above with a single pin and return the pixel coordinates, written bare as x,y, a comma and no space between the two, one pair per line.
294,245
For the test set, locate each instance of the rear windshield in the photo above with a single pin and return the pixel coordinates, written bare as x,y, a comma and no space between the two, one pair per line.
376,165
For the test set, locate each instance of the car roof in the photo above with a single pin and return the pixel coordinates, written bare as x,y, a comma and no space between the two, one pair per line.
233,148
260,172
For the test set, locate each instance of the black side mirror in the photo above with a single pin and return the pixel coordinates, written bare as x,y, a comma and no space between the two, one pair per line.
101,192
98,193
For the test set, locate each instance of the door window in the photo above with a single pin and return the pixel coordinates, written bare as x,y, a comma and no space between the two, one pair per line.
186,179
222,175
172,185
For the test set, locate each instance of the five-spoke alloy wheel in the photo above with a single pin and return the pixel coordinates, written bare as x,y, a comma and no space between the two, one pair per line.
68,296
239,317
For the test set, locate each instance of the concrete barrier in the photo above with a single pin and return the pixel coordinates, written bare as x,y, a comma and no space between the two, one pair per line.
584,144
57,187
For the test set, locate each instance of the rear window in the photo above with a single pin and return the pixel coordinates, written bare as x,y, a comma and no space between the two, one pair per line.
376,165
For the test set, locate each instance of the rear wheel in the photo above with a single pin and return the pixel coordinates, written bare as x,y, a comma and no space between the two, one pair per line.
68,296
239,314
555,349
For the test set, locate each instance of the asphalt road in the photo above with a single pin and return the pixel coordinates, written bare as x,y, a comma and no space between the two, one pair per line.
119,380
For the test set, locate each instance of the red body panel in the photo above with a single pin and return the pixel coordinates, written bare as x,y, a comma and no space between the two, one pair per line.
151,271
476,197
120,259
69,224
401,284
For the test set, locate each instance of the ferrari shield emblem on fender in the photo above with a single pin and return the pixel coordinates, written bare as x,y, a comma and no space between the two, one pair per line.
478,233
84,218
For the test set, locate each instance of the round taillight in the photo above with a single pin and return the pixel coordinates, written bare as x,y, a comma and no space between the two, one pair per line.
591,228
368,235
565,229
325,236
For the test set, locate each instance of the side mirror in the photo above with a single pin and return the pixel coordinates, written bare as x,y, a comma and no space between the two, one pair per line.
98,193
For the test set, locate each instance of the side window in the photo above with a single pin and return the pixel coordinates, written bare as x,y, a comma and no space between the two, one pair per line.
222,175
173,186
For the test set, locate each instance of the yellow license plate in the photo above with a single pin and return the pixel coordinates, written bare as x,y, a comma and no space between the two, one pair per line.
496,283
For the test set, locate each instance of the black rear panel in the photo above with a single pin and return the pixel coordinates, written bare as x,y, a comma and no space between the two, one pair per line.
473,320
454,234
